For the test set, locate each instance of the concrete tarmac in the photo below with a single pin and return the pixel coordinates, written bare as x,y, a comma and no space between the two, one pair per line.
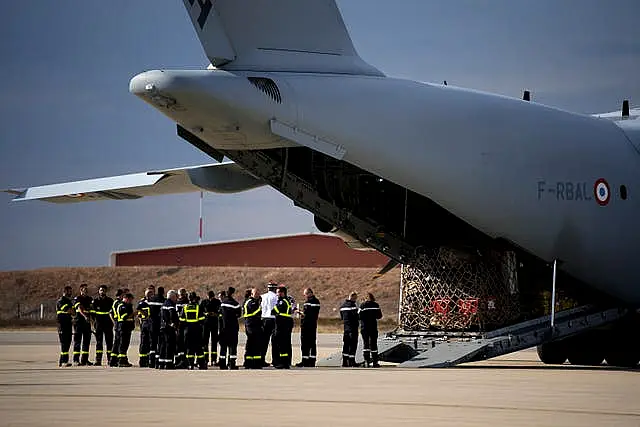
513,390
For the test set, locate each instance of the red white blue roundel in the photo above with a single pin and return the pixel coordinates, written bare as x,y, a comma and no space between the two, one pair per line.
602,192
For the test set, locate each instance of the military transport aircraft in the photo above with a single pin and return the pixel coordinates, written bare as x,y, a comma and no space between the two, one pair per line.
392,163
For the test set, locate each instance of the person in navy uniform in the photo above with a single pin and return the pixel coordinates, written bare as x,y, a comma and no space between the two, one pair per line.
183,299
283,311
370,313
211,309
156,302
126,325
309,329
231,310
193,318
103,324
64,313
143,310
116,326
253,328
349,316
169,331
83,305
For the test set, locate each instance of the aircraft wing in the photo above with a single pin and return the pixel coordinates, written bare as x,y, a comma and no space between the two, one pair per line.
219,178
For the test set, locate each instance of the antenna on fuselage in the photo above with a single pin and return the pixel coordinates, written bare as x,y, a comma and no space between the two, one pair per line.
526,96
445,83
625,108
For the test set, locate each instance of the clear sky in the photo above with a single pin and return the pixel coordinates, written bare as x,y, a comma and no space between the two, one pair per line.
66,113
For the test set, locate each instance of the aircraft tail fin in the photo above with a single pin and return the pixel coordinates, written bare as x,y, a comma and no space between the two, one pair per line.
276,35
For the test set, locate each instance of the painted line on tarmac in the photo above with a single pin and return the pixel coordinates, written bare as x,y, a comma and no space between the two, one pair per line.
245,399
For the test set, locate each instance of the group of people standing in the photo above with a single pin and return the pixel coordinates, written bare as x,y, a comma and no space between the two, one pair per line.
180,331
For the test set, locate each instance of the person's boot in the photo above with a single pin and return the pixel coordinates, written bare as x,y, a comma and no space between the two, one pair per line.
302,364
98,359
312,362
375,360
222,364
144,362
125,363
345,361
367,358
232,365
181,363
113,362
203,363
152,360
84,359
352,362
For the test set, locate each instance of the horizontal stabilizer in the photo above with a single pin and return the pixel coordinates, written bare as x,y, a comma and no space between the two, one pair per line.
219,178
276,35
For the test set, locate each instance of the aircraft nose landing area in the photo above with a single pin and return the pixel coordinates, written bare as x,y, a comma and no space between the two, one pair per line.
512,390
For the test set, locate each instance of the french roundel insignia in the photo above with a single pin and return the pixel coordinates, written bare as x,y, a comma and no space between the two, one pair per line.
602,192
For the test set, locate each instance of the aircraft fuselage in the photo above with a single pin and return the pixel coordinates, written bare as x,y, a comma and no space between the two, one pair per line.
551,182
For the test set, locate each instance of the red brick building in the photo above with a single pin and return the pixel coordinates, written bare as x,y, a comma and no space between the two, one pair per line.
301,250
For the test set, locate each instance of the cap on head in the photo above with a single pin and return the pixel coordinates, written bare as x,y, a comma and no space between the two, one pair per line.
193,297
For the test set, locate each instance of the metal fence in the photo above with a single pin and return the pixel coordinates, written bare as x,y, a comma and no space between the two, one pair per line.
46,310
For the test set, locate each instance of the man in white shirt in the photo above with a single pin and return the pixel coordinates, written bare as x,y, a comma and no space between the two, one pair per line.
269,300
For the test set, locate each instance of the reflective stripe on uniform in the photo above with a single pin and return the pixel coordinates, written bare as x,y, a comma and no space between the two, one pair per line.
224,304
348,308
251,314
288,313
187,311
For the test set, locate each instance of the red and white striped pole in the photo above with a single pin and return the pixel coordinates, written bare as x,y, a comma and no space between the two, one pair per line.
200,234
